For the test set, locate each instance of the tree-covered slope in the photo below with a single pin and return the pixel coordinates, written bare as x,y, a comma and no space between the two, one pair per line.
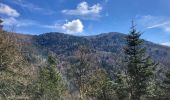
113,42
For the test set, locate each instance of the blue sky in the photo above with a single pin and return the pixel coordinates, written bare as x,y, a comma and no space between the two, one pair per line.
88,17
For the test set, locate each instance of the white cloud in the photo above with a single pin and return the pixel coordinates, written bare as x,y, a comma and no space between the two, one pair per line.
166,43
167,28
56,25
74,26
7,10
159,22
84,9
11,21
159,25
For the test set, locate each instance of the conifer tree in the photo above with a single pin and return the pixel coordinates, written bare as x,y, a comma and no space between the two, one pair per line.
121,86
49,85
139,67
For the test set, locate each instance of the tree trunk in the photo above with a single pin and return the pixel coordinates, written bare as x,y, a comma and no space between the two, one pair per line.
104,95
135,97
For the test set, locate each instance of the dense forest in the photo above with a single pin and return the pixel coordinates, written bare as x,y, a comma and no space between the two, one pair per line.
64,67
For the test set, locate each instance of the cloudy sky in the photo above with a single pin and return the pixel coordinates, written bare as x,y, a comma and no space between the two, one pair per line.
88,17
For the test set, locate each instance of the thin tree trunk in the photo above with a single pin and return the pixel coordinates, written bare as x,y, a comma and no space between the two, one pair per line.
104,95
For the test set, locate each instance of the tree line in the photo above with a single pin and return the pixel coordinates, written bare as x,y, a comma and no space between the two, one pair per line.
139,80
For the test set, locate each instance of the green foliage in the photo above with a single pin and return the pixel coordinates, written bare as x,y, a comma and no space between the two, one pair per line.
139,67
100,86
13,78
167,80
11,89
49,85
121,86
91,83
166,86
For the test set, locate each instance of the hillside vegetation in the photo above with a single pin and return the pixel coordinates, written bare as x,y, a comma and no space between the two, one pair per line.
57,66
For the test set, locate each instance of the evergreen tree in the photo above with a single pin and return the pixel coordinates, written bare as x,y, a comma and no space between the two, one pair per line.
121,86
139,67
49,85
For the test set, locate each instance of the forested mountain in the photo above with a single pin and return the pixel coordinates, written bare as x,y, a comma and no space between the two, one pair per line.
65,67
77,50
113,42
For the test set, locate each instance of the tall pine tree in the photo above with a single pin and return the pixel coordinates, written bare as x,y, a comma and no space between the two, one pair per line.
139,67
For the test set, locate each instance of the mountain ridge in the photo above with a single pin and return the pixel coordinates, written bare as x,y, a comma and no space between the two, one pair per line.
65,45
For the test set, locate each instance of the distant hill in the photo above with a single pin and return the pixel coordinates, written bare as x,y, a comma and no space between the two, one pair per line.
104,44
